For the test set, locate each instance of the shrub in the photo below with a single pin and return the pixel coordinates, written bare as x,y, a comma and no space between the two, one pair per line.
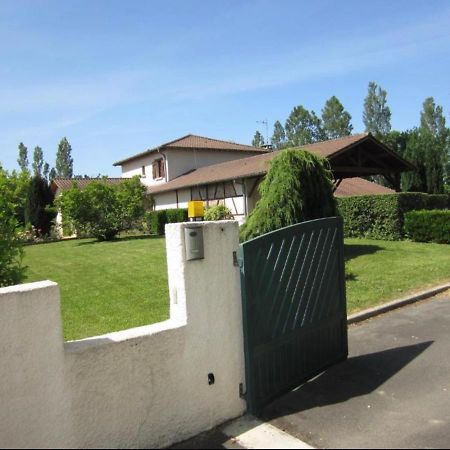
428,226
103,210
218,212
11,270
157,220
382,216
297,187
38,210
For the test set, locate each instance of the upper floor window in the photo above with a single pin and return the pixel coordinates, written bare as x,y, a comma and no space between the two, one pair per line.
158,169
143,172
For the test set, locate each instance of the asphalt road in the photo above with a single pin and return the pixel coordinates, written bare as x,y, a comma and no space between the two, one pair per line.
392,392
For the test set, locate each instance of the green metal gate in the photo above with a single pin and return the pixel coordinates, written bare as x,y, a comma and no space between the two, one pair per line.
294,307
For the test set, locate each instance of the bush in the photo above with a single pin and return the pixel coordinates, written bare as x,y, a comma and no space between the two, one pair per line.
297,188
218,212
157,220
428,226
103,210
38,211
11,270
382,216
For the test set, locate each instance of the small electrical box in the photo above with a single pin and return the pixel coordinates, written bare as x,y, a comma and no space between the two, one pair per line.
193,241
196,209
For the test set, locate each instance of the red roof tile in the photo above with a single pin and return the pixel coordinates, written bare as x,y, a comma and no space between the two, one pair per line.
199,142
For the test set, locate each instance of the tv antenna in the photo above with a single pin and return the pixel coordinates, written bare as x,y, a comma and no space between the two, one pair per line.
266,123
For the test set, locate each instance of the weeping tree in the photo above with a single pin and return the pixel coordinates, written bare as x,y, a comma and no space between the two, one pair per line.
297,188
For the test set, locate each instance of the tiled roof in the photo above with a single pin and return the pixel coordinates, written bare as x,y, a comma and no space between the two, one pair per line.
360,186
67,183
198,142
252,165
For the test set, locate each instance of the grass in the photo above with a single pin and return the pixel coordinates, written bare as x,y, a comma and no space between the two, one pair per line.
111,286
379,271
105,286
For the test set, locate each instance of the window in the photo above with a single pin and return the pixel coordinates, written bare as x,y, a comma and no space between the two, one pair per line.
143,172
158,169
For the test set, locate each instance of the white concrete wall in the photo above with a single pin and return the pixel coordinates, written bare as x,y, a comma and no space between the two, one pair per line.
144,387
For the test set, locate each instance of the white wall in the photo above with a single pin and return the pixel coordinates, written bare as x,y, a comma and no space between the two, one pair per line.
144,387
180,161
134,167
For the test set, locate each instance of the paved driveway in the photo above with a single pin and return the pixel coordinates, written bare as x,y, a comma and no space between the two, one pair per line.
393,392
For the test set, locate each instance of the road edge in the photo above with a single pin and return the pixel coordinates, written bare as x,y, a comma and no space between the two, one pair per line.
361,316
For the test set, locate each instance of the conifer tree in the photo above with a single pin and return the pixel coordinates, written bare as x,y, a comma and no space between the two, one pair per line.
335,120
376,115
64,160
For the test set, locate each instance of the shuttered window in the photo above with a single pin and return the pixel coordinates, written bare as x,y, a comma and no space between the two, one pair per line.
158,168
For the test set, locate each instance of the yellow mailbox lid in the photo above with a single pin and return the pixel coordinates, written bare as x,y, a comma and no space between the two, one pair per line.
195,209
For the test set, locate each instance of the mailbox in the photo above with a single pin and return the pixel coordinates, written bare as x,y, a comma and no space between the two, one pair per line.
196,209
193,241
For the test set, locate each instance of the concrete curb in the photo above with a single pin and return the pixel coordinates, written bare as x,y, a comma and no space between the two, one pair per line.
386,307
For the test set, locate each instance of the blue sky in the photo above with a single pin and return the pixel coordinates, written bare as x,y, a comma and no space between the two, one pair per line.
118,77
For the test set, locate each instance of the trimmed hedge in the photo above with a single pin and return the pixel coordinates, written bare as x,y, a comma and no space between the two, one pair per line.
382,216
157,220
428,226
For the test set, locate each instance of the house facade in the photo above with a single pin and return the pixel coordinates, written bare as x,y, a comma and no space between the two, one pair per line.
222,172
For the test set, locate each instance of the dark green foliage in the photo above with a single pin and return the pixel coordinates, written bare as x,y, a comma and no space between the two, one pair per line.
23,157
428,226
11,270
297,188
218,212
428,153
157,220
376,115
38,161
335,119
64,160
382,216
258,140
303,127
279,136
38,211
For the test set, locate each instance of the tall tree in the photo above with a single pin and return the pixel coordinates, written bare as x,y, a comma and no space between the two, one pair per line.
46,171
258,140
335,119
64,160
279,136
425,151
52,175
303,127
376,115
38,161
23,157
37,211
432,119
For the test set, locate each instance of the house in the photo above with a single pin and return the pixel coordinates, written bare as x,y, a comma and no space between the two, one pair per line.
215,171
223,172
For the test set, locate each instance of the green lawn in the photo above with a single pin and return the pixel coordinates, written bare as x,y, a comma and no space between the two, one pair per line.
105,286
110,286
378,271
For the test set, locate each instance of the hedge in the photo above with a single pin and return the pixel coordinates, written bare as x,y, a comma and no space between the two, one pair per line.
157,220
428,226
382,216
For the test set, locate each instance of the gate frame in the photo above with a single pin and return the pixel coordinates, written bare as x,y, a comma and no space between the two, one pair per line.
249,394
